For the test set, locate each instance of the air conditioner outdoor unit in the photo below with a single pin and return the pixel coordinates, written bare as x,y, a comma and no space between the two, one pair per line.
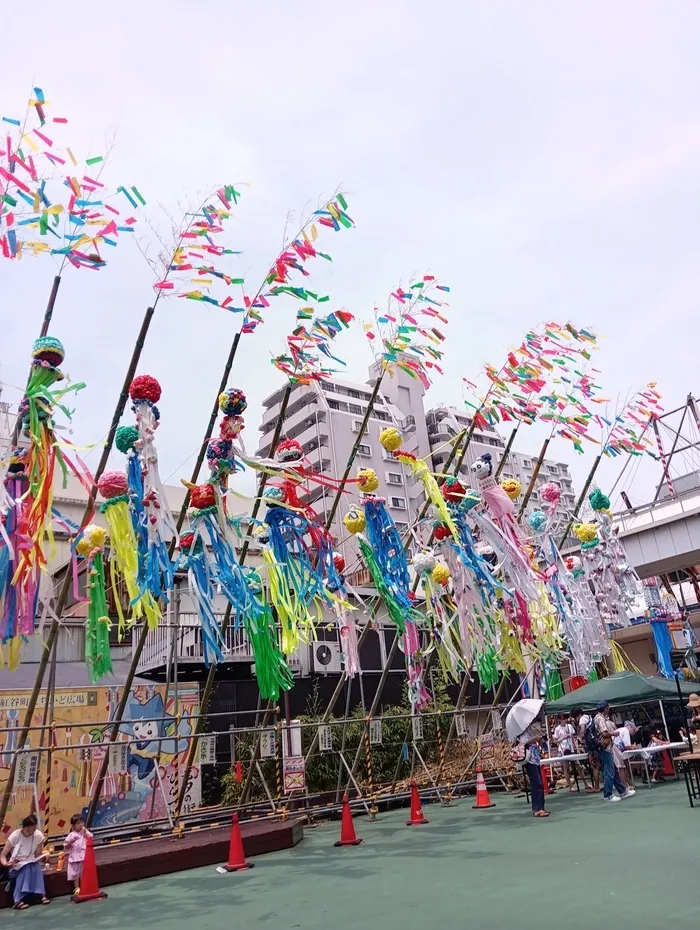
326,657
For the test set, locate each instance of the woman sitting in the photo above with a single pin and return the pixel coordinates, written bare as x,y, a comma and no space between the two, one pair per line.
23,854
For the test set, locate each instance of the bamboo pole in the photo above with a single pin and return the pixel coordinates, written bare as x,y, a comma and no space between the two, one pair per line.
209,685
535,473
355,449
581,498
506,451
52,636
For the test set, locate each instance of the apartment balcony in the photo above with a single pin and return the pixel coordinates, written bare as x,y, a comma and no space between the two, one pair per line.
158,650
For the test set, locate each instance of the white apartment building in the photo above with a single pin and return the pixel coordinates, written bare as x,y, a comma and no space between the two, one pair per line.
444,423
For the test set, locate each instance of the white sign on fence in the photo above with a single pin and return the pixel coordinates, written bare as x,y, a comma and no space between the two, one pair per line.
417,724
27,769
325,738
207,750
118,758
461,725
375,732
267,743
294,772
496,720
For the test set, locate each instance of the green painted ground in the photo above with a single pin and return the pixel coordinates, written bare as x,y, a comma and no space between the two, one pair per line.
590,865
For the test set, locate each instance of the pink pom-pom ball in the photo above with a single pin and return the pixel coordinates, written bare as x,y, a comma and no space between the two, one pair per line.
112,484
550,492
145,387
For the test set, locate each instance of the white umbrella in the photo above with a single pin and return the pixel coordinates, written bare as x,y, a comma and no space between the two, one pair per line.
521,715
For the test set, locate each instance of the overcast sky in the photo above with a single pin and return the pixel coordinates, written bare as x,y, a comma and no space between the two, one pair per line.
541,158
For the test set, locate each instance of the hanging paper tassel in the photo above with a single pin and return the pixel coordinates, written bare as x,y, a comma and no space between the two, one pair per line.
202,592
123,552
97,651
664,645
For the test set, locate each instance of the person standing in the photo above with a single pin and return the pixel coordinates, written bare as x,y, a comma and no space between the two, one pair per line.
605,730
564,734
531,739
74,845
582,722
23,854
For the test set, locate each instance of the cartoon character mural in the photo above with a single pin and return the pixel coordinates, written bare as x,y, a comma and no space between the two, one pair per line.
83,718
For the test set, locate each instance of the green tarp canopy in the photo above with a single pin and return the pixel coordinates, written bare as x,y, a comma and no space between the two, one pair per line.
623,688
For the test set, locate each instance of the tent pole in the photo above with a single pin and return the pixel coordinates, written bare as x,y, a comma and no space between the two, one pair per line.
663,717
683,714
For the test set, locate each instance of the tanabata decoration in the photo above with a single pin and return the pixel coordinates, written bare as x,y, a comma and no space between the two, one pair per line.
30,517
581,626
49,202
476,591
383,553
615,584
662,609
209,555
515,390
406,336
627,429
302,362
292,259
123,558
152,519
90,547
434,577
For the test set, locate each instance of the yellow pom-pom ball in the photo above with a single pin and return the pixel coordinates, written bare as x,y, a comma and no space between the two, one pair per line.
512,487
367,480
440,574
585,532
93,538
354,521
390,438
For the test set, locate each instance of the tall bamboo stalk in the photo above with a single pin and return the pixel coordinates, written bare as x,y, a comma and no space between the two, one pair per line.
52,635
506,451
535,473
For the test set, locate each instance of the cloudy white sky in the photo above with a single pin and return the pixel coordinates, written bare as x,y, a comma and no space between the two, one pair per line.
541,158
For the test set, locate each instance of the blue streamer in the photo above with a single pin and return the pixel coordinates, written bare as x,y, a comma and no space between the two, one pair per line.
388,549
664,645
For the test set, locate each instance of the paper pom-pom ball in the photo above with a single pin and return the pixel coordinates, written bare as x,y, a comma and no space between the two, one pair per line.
440,574
145,387
186,542
550,493
390,438
94,537
232,402
512,487
218,450
453,490
423,562
442,531
585,532
599,501
125,438
289,450
202,496
339,562
471,499
354,521
367,480
231,427
48,349
273,494
112,484
536,520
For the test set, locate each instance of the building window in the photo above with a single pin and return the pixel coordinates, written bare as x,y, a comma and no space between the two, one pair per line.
352,393
334,405
357,426
380,415
394,478
355,408
398,503
327,386
402,527
364,449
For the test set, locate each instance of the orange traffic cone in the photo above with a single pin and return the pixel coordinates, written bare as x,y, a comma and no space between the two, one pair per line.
417,816
482,793
89,889
347,827
236,857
